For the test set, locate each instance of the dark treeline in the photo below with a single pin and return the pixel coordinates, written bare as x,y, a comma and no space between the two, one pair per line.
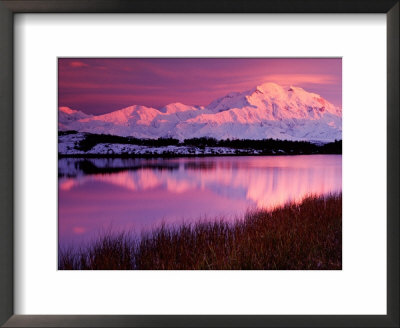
264,146
88,167
92,140
269,145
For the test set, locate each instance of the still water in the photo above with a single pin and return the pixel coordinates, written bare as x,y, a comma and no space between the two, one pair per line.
140,194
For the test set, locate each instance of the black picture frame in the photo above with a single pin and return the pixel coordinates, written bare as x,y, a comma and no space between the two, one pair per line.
10,7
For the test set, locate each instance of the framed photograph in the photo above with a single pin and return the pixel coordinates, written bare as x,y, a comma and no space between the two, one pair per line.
218,164
250,180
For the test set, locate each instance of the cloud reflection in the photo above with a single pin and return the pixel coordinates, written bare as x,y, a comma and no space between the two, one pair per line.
140,194
267,181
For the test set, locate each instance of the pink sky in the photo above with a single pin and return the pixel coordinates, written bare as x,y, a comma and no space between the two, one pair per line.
101,85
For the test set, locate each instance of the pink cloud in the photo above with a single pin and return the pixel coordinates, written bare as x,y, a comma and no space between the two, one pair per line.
78,64
107,84
79,230
299,79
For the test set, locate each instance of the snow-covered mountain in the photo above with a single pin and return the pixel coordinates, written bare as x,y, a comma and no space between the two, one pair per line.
267,111
67,116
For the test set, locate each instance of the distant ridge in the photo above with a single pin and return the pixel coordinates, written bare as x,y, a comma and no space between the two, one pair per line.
266,111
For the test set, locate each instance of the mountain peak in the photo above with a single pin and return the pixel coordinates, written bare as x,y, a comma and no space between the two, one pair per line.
266,111
67,115
177,107
67,110
269,87
274,89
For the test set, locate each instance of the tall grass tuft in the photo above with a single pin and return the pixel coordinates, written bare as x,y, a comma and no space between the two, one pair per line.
305,236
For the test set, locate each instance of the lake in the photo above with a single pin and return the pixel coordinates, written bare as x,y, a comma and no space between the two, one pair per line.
96,195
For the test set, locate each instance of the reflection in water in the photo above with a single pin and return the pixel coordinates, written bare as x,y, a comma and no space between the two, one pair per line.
139,194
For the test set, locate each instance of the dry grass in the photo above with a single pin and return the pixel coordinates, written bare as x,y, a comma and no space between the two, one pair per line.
306,236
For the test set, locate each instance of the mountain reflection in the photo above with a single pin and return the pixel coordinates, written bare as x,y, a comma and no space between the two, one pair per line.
267,181
152,190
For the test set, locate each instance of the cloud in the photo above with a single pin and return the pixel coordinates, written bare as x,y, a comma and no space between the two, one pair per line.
78,230
77,64
298,79
100,85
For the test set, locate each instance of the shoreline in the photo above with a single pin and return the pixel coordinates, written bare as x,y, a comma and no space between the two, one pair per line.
184,155
77,144
295,236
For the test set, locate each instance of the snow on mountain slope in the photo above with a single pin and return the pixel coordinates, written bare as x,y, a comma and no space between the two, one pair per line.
178,108
267,111
121,122
67,116
276,103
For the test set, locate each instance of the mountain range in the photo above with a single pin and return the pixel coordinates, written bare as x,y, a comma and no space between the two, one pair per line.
266,111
